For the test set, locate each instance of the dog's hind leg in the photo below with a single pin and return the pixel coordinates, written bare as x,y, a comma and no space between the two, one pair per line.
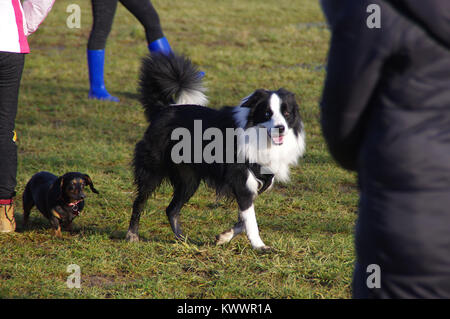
145,189
138,205
187,183
27,204
148,175
173,214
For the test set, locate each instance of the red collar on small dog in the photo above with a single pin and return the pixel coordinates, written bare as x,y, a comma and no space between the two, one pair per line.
75,206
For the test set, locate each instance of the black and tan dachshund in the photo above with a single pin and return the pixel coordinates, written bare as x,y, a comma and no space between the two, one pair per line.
59,199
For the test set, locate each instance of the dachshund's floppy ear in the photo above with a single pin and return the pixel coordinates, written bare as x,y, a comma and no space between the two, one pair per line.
88,181
57,186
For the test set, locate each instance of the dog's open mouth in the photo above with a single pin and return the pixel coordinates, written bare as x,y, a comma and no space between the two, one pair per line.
276,137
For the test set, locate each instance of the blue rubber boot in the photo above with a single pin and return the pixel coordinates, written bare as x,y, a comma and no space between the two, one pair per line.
96,62
162,46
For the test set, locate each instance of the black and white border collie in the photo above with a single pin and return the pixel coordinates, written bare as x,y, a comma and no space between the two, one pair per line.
172,95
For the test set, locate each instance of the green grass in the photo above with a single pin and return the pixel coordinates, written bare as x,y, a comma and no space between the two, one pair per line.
308,221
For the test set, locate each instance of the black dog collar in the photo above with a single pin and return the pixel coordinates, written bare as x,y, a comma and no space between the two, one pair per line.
264,180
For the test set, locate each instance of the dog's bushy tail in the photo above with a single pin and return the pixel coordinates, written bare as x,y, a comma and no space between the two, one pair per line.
166,80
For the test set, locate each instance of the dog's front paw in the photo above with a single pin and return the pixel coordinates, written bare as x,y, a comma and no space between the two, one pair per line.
132,237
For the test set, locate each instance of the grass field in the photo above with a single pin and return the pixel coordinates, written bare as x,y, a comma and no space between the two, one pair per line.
309,221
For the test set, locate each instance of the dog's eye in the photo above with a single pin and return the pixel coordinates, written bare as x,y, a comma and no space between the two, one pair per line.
268,114
286,113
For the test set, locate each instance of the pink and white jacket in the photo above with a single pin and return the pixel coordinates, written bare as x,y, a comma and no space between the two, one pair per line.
17,22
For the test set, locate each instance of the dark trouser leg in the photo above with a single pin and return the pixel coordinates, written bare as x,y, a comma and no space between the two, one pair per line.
11,66
144,11
103,12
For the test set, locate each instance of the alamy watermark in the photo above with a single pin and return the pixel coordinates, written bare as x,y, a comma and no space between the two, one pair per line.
213,145
73,280
73,21
374,279
373,21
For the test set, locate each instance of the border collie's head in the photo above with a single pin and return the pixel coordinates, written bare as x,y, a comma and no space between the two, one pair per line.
272,116
277,111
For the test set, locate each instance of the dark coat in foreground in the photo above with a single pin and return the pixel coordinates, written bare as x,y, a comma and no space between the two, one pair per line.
386,115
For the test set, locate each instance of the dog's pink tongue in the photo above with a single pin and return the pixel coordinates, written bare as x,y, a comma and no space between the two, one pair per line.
278,139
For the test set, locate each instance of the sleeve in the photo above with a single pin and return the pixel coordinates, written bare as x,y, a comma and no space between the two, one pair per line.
434,15
35,12
355,62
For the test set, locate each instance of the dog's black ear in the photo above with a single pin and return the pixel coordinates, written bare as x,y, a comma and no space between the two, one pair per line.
288,94
88,181
254,98
290,98
57,186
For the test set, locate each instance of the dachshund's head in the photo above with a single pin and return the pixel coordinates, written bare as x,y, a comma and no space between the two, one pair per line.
72,186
